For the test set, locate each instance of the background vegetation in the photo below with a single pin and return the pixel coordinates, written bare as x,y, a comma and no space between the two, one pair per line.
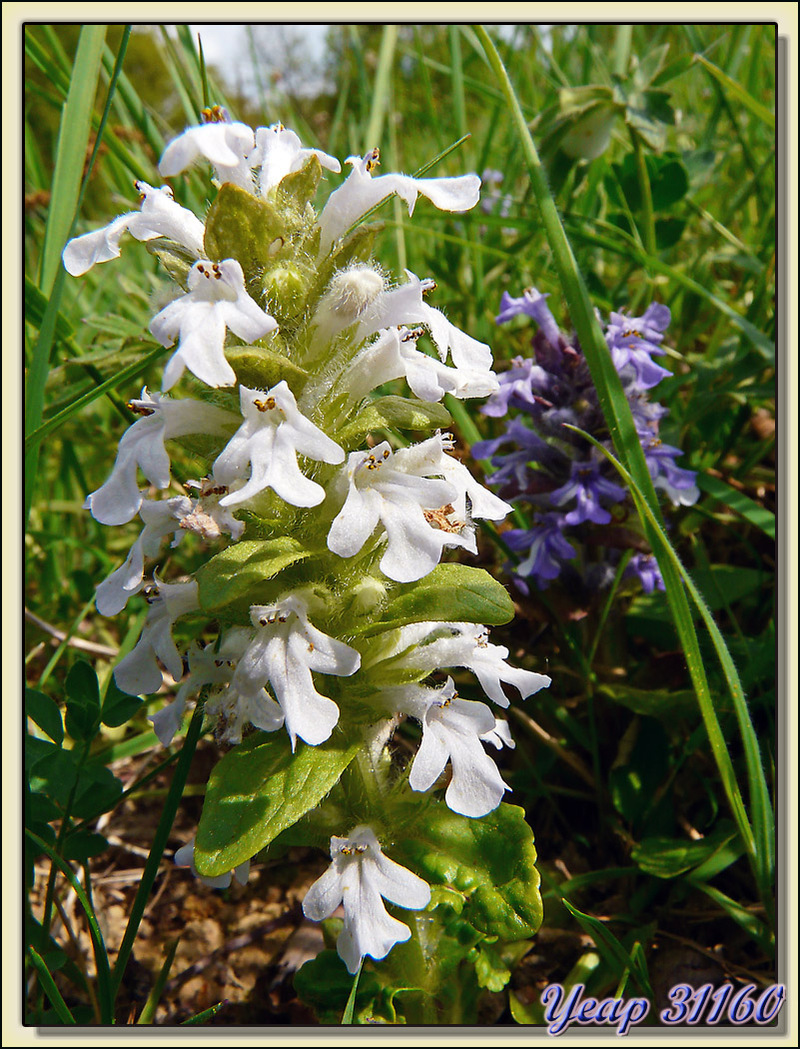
653,833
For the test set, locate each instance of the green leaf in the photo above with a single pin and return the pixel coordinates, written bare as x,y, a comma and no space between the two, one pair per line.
234,579
175,259
118,706
451,594
401,413
491,861
261,788
98,791
45,713
83,701
51,770
490,969
669,857
669,181
82,845
50,988
299,187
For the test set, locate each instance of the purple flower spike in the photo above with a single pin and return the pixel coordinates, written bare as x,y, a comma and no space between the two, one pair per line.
588,487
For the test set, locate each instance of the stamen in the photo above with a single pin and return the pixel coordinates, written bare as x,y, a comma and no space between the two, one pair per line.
373,159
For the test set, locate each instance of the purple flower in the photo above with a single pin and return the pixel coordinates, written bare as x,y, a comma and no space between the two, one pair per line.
545,545
633,341
532,303
519,387
588,487
644,567
679,484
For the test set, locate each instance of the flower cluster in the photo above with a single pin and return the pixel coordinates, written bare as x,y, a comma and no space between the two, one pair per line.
572,489
281,328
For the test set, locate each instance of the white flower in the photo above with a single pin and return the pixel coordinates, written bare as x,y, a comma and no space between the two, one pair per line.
430,456
394,354
228,145
405,305
414,510
142,445
500,735
435,646
360,192
279,153
284,652
216,300
138,673
359,875
207,518
452,730
212,665
159,216
160,518
267,444
184,857
421,513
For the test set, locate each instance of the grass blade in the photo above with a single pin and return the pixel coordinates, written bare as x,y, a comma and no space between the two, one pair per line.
740,94
758,839
98,944
159,844
150,1006
50,989
349,1009
381,91
73,139
737,501
127,374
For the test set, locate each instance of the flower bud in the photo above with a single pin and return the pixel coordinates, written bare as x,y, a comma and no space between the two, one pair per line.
285,288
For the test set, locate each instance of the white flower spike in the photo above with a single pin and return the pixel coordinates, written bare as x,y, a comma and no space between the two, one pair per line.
217,300
279,152
361,191
159,216
267,443
228,145
142,445
138,673
285,651
360,877
452,730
